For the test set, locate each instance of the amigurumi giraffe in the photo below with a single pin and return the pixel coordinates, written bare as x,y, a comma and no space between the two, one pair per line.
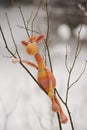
45,77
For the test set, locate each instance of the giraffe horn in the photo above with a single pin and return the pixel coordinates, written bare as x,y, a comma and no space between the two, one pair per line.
40,37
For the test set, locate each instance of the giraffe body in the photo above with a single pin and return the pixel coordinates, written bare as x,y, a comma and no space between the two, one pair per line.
44,74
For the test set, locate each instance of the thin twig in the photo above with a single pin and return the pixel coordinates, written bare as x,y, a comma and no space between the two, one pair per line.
66,55
24,20
28,29
79,76
8,56
47,36
77,49
32,26
12,35
58,116
28,21
70,117
45,52
6,46
60,126
77,52
67,108
56,92
80,48
68,83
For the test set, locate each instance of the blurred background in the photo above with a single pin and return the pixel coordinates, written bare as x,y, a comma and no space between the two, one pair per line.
22,104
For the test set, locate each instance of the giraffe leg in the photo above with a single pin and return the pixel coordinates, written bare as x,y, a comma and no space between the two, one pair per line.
26,62
63,117
55,106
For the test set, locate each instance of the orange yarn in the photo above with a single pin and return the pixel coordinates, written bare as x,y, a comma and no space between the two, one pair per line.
45,77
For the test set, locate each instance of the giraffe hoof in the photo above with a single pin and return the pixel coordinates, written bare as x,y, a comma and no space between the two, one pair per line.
63,119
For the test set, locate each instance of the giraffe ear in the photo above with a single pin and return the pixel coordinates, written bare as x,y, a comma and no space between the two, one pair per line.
24,43
40,37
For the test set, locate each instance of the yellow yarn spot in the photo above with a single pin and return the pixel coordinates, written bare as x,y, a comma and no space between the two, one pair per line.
51,90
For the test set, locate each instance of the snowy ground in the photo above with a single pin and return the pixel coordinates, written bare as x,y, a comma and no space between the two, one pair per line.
22,104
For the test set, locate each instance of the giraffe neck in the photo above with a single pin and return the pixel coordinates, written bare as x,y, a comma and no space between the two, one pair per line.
40,62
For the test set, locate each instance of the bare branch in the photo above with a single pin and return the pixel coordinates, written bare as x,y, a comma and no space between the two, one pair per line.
70,117
79,76
8,56
73,64
12,36
77,49
80,48
24,21
78,43
68,83
58,116
28,21
77,52
47,36
6,46
32,26
56,92
28,29
67,108
66,55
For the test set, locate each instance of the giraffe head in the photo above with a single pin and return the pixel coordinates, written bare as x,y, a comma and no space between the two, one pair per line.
31,46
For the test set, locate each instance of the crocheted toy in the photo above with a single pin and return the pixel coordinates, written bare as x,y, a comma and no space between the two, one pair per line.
45,77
